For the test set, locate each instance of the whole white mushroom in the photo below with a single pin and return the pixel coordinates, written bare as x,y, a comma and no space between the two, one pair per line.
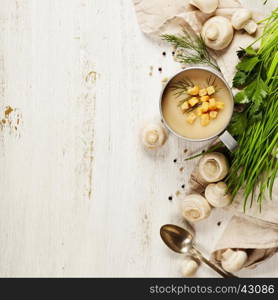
206,6
233,260
242,19
153,135
217,194
217,32
195,208
189,267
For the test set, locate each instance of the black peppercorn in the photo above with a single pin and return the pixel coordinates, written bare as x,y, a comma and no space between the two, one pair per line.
160,69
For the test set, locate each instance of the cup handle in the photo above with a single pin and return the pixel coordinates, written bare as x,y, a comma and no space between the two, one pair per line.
228,140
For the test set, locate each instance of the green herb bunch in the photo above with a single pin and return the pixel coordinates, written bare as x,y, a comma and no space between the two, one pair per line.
254,163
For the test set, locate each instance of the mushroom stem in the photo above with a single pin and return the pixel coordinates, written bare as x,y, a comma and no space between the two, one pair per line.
242,19
250,27
212,32
217,32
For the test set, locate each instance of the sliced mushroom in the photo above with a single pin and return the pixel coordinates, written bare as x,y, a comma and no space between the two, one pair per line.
189,267
195,208
217,194
217,32
233,260
213,167
242,19
206,6
153,136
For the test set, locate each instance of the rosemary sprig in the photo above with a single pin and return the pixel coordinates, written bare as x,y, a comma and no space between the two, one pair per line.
193,48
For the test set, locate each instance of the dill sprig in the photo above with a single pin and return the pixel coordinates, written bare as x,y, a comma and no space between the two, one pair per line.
211,80
181,86
194,50
193,107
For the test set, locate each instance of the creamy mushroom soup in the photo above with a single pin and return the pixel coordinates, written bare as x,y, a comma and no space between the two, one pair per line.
196,104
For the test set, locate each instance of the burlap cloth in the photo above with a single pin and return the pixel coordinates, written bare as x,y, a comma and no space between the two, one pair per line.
255,231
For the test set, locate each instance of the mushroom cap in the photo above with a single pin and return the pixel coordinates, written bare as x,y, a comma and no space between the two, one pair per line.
206,6
240,18
213,167
217,32
195,207
217,195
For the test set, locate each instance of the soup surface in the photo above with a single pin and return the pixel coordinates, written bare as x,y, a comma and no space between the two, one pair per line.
177,119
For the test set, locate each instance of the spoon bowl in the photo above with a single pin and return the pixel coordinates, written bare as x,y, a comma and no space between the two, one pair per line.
176,238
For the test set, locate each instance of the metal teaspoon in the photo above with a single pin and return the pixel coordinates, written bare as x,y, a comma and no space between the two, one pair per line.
181,241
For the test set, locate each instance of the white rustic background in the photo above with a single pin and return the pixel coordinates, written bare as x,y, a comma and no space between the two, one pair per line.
79,195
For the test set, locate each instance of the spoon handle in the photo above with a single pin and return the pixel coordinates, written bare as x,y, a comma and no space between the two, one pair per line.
217,269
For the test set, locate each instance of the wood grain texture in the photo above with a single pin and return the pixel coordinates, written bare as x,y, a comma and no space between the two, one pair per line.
79,194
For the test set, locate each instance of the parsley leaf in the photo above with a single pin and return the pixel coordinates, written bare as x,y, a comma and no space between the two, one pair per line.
246,70
239,79
250,51
254,114
247,51
241,98
256,92
238,124
247,64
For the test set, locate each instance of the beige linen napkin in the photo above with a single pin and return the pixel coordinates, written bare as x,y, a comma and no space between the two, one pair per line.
255,231
259,239
157,17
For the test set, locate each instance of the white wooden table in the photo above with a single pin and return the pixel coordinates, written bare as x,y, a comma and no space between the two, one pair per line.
79,195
